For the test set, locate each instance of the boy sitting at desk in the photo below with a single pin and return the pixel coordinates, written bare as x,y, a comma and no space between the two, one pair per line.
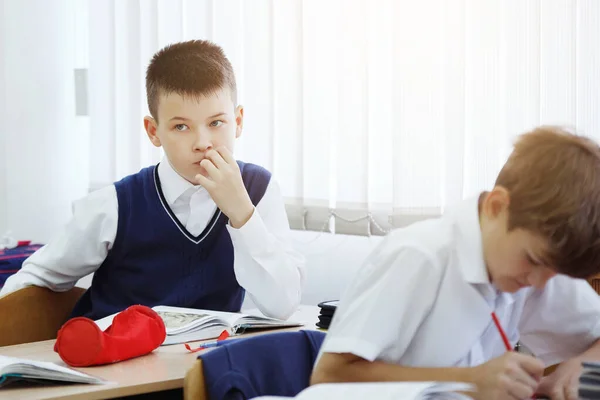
197,230
420,309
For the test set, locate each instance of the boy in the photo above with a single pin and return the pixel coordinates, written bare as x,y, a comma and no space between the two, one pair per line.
197,230
420,309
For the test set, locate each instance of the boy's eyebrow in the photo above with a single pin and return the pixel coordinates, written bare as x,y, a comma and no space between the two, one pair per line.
180,118
187,119
217,115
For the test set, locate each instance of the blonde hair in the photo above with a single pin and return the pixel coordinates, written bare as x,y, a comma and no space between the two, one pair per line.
553,177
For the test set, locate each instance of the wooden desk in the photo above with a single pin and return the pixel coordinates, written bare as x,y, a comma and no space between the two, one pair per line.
163,369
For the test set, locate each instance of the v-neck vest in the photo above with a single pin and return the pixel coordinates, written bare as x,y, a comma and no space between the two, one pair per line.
156,261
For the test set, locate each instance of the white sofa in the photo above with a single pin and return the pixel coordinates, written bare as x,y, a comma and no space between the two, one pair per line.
331,262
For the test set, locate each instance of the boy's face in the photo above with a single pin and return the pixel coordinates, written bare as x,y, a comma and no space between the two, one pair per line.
514,259
189,126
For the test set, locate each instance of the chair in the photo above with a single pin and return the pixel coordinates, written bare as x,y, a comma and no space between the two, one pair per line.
34,313
277,364
193,384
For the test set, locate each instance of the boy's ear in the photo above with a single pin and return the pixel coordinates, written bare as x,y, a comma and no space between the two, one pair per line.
150,125
497,201
239,121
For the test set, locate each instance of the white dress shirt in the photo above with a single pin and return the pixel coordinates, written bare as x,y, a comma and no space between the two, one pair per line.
424,299
265,265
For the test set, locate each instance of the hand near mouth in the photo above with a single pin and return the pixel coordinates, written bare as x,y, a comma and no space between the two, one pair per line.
224,184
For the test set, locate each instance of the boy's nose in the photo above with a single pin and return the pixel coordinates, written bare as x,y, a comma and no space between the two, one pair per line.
202,142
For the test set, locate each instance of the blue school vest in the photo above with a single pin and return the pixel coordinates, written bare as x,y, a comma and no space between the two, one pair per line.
156,261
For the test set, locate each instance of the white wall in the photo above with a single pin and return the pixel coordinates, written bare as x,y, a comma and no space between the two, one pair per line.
3,166
43,165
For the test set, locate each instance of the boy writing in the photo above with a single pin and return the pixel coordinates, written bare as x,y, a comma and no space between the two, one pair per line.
199,229
420,309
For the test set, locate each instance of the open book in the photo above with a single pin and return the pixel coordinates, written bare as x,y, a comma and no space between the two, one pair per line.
589,381
19,369
188,324
383,391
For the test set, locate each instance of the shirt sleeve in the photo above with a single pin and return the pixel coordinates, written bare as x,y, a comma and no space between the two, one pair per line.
385,304
77,250
562,320
266,265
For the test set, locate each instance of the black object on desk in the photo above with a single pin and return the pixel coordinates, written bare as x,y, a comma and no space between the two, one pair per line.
326,314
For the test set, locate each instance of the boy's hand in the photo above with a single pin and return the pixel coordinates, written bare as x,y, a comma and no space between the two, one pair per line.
510,376
563,383
225,186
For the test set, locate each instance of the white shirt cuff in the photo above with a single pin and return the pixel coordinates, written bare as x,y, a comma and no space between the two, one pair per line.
359,347
253,235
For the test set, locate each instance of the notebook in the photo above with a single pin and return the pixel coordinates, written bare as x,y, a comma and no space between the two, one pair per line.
589,381
188,324
19,369
383,391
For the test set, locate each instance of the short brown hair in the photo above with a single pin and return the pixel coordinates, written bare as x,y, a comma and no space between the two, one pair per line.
553,177
192,68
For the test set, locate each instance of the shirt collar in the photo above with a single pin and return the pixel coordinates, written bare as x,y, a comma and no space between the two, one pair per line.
465,220
173,185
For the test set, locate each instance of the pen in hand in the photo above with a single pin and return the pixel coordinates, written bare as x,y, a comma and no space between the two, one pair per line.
508,346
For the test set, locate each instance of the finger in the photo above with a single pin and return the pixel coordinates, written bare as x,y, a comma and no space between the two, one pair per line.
542,392
210,168
546,388
216,158
531,365
572,389
523,377
558,394
227,155
519,390
204,182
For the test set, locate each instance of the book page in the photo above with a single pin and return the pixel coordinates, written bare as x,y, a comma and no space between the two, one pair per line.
360,391
255,318
256,315
186,318
178,319
7,362
176,322
384,391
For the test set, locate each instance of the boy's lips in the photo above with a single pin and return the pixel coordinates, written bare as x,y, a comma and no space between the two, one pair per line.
199,168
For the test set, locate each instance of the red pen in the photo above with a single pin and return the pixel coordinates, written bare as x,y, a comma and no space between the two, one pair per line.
219,342
502,333
508,346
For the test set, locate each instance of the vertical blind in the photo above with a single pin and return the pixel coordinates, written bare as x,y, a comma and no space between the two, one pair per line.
370,114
